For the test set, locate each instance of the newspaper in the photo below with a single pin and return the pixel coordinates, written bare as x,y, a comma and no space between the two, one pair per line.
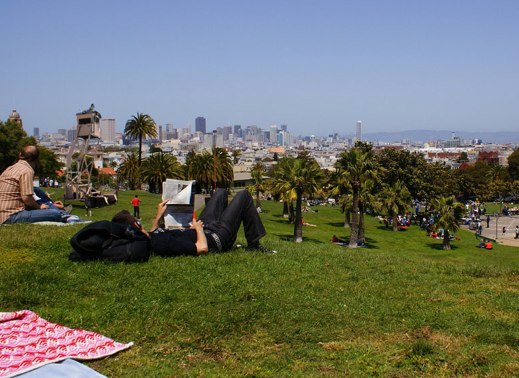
178,192
180,205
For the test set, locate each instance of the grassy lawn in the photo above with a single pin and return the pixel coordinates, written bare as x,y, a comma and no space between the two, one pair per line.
400,307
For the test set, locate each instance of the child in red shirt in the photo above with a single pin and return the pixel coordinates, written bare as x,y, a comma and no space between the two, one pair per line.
136,211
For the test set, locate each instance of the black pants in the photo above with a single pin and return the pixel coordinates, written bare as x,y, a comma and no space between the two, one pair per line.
225,220
136,212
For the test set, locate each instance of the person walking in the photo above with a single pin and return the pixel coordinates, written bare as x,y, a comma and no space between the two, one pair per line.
517,232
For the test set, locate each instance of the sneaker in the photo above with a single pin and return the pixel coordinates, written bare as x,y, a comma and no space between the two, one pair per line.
69,209
260,248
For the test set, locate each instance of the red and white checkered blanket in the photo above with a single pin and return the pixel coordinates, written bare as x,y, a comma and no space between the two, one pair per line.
28,341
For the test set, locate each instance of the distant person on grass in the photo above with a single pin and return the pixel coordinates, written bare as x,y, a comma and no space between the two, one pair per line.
136,210
216,229
17,203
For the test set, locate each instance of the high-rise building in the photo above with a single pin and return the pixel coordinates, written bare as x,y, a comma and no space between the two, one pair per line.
273,134
36,132
226,131
237,131
171,132
62,132
281,138
358,134
283,127
200,124
160,133
108,130
71,135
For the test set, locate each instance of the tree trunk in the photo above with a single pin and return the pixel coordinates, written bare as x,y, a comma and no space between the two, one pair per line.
347,219
395,223
362,229
285,209
298,224
354,235
291,215
258,202
446,240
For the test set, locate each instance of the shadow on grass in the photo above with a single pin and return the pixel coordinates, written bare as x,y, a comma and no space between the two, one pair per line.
282,221
384,228
335,224
439,246
290,238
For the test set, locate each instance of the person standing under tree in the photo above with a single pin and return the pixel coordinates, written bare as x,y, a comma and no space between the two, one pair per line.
136,210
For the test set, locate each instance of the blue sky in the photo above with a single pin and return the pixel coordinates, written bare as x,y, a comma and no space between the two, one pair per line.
317,66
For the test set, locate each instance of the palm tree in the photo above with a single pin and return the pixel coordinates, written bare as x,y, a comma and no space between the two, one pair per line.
129,171
301,174
140,126
257,172
356,165
395,199
366,199
341,190
449,213
159,167
236,156
202,167
224,168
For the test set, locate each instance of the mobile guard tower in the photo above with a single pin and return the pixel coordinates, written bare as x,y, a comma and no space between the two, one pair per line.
88,131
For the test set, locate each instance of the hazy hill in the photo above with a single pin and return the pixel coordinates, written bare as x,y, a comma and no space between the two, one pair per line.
505,137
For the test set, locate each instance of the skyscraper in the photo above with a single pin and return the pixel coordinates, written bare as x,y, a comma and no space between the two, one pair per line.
237,131
358,134
226,131
71,135
36,132
200,124
273,134
108,130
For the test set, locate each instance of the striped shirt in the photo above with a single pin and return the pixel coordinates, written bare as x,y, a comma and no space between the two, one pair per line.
16,181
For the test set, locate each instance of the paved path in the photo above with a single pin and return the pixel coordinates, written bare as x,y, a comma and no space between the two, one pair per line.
496,231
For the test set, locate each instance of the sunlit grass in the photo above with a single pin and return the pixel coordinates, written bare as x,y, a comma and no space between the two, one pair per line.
400,307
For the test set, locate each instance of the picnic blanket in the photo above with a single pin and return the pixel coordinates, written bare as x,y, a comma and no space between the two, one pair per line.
28,342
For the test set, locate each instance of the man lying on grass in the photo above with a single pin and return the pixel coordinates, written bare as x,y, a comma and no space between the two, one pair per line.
214,231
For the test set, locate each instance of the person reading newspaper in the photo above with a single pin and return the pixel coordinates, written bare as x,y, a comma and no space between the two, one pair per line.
215,230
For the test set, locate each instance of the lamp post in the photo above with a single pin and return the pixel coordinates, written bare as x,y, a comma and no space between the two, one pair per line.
497,221
214,161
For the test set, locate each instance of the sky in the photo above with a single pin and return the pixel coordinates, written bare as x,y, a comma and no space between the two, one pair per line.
316,66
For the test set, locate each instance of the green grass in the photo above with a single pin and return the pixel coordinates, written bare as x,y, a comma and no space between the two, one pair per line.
401,307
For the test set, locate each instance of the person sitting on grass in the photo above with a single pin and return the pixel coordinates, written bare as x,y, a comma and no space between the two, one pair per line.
17,203
215,230
43,199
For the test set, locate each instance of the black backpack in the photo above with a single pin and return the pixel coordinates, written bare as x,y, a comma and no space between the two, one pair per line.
109,241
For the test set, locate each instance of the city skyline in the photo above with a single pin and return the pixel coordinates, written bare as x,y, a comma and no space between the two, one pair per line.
317,67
